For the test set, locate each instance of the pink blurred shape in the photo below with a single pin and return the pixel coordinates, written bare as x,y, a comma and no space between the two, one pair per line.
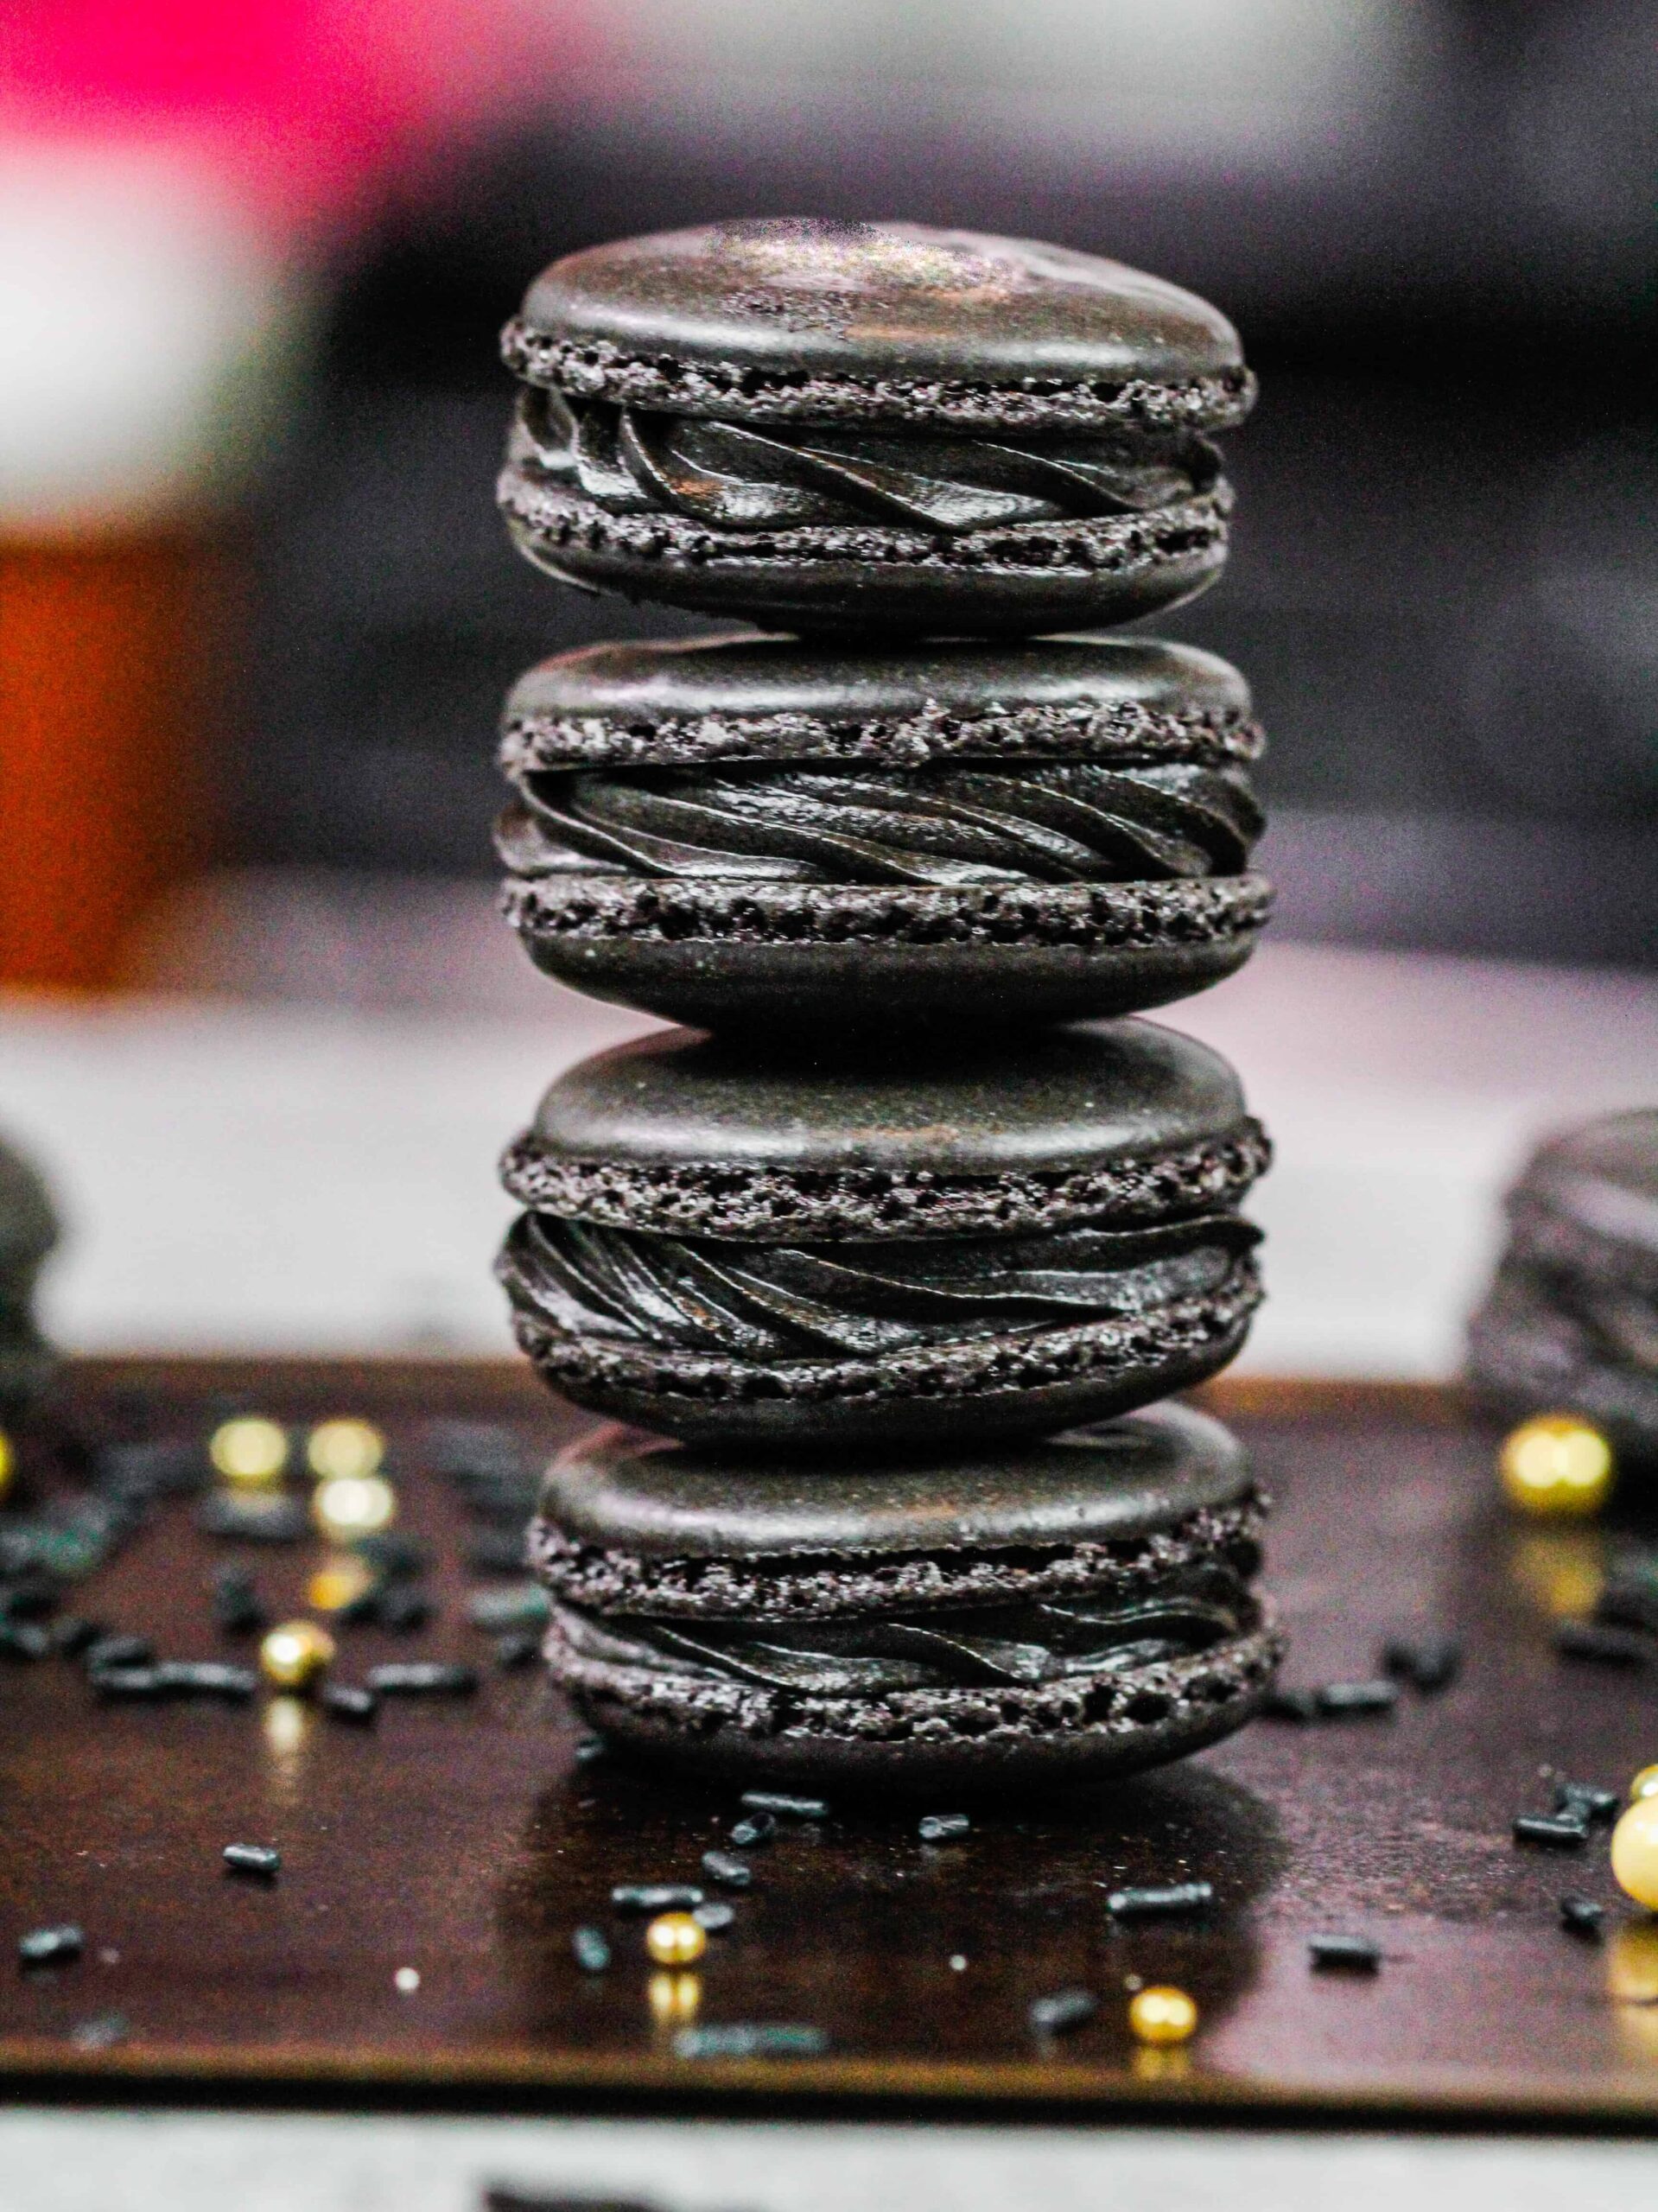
307,107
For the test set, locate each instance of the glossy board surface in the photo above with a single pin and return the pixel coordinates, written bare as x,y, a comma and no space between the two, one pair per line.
459,1839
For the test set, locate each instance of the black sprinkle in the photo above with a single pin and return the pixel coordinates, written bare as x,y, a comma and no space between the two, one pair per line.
130,1684
785,1807
517,1648
1153,1902
1341,1700
750,2040
347,1702
205,1678
1563,1834
1290,1704
1426,1662
51,1947
1581,1915
498,1612
1348,1953
754,1827
1065,2010
1584,1800
363,1609
398,1557
423,1678
1604,1647
589,1749
74,1635
714,1917
401,1606
942,1827
1631,1594
730,1873
656,1896
255,1858
24,1640
35,1599
151,1469
590,1949
260,1519
237,1607
118,1651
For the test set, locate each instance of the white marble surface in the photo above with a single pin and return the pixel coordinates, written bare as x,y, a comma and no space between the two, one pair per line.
129,2162
306,1177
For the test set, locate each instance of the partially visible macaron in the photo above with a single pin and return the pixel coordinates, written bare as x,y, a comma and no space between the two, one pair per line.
1078,1610
29,1230
832,425
764,1251
754,831
1569,1323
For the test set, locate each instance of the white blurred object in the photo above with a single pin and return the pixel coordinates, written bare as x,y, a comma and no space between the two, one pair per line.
320,1177
145,330
1202,84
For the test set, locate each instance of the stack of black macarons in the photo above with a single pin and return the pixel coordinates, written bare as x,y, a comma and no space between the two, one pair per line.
881,1272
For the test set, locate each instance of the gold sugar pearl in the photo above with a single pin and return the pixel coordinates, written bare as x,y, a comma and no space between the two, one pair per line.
344,1447
673,1939
7,1463
1635,1852
1645,1785
293,1655
1556,1467
1162,2016
348,1506
250,1452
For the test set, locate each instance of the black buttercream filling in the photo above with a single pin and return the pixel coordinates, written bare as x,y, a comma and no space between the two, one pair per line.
1050,822
766,1301
731,476
1023,1644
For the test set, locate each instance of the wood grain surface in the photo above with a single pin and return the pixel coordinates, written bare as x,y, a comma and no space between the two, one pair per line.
459,1838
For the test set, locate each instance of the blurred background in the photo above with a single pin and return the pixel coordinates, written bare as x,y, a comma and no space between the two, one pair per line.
256,613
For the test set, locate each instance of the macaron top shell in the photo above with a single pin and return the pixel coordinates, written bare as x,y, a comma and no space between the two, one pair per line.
752,697
800,318
1070,1100
624,1492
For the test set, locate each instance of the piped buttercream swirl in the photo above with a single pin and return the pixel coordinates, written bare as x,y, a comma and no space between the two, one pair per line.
736,477
1024,1644
770,1302
1050,822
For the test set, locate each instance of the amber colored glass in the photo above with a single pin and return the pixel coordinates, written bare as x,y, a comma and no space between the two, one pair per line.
107,648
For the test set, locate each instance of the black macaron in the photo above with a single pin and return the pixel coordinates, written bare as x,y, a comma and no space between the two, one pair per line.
830,425
759,832
1079,1609
29,1230
1570,1322
895,1252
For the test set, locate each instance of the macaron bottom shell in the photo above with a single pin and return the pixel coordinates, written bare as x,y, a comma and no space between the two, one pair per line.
945,1396
1019,580
974,1742
858,957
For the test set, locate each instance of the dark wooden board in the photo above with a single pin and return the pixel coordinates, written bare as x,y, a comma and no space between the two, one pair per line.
459,1839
